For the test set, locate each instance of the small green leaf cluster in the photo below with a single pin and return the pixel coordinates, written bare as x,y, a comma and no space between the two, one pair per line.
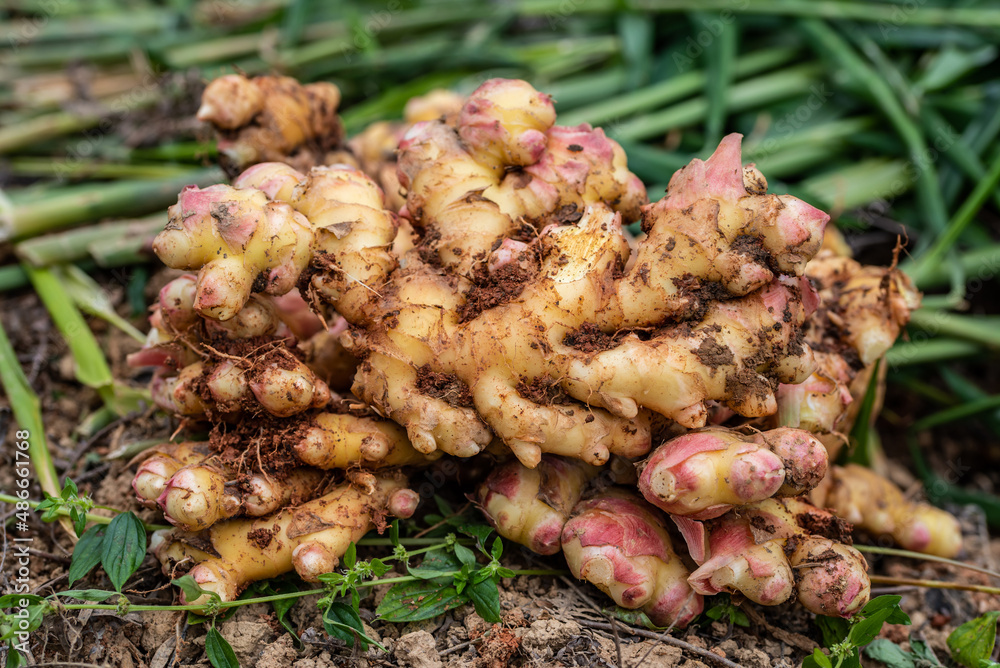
725,608
845,638
69,501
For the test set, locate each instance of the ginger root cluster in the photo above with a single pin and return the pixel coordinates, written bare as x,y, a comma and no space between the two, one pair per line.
462,284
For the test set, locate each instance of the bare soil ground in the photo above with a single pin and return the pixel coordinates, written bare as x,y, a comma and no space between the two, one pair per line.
547,621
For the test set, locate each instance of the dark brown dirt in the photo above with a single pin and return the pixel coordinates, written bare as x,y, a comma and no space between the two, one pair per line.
826,525
713,354
590,339
490,290
446,386
543,391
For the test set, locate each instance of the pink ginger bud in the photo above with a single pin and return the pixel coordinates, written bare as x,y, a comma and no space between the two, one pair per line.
530,506
703,474
617,543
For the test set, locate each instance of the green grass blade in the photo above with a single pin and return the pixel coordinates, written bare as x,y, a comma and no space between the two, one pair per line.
90,365
934,255
906,353
929,192
28,414
92,298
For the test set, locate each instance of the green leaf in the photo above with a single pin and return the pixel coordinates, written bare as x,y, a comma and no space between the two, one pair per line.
465,555
69,490
486,597
880,603
478,531
220,653
93,299
351,556
867,629
14,658
379,567
36,612
87,553
834,629
437,563
819,659
861,431
973,641
920,650
497,550
415,601
342,621
79,521
192,590
889,653
443,506
635,617
896,616
96,595
123,548
14,600
281,608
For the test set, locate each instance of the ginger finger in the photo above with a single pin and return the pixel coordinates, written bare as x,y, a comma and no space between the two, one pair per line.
704,474
530,505
617,542
310,538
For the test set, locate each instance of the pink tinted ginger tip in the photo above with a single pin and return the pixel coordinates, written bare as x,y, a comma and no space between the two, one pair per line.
721,176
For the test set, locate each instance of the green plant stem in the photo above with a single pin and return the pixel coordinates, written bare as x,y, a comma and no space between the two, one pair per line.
64,512
73,244
93,170
277,597
873,12
47,126
959,412
905,353
720,59
935,254
90,365
978,329
933,584
70,206
672,89
981,264
745,95
387,542
895,552
929,192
